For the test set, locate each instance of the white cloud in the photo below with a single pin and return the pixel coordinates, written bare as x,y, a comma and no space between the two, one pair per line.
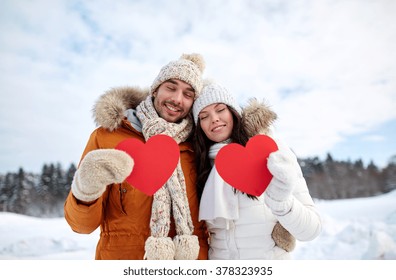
374,138
327,67
315,121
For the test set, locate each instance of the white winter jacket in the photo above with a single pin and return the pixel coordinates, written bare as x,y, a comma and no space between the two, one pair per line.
241,227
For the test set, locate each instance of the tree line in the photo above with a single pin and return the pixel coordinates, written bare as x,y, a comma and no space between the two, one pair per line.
39,195
332,179
43,195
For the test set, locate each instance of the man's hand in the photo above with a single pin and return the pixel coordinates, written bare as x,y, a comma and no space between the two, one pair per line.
98,169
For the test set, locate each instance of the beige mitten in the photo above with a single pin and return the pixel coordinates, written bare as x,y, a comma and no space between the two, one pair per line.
98,169
283,238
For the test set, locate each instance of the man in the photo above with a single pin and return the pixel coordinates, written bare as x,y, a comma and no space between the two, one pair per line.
135,225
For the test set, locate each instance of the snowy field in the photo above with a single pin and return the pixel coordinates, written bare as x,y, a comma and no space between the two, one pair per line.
353,229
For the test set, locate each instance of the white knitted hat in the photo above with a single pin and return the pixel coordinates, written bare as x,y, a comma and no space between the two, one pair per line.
211,93
188,68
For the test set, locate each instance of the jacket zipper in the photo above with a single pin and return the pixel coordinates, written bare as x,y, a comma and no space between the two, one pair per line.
232,242
122,193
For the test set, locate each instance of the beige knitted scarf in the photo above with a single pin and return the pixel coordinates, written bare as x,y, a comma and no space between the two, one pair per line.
172,197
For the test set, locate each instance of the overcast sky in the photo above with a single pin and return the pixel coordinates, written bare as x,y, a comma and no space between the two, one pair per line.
328,68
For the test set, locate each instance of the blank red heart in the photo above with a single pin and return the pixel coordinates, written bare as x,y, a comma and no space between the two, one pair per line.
245,168
154,161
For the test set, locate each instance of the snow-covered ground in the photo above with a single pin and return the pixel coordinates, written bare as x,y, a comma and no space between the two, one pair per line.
353,229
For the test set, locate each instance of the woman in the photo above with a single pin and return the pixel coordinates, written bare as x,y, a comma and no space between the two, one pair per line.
242,226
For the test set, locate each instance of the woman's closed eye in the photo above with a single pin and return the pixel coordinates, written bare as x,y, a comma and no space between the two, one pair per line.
202,117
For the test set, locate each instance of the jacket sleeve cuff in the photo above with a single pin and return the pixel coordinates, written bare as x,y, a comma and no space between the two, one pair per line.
279,208
82,218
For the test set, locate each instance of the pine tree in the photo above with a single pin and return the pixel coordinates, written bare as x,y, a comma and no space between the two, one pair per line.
389,175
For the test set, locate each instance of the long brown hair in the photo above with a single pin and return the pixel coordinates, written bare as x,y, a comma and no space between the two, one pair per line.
202,145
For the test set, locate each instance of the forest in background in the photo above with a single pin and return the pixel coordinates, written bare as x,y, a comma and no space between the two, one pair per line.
43,195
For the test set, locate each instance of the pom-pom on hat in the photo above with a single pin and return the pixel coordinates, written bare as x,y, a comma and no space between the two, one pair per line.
188,68
213,92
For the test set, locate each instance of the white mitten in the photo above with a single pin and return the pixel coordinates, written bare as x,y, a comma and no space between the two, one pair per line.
98,169
287,173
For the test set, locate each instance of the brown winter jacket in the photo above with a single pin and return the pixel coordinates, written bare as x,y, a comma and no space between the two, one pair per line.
123,212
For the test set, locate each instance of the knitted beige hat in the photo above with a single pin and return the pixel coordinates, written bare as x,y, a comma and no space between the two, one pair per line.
213,92
188,68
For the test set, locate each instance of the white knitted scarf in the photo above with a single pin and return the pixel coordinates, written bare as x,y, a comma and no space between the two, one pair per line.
172,196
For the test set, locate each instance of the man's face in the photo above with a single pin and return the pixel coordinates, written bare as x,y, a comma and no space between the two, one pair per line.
173,100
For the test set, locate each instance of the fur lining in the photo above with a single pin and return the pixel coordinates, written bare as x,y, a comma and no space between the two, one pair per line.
257,117
108,111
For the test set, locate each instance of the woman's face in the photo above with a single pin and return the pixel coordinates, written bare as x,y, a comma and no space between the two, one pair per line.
216,122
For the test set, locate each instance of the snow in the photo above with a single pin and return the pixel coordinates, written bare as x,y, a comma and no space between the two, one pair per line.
353,229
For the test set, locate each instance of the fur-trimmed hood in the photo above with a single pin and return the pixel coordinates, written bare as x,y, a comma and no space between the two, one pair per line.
257,117
109,110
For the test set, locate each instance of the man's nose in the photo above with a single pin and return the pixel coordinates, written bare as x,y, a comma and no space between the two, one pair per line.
178,97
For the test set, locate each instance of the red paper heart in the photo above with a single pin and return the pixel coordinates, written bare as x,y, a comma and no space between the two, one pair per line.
246,168
154,160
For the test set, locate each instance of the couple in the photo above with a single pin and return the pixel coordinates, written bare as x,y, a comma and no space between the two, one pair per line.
180,221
